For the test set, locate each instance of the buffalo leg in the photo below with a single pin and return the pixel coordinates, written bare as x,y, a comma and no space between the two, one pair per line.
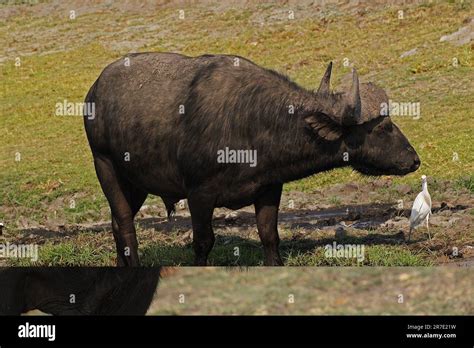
266,210
203,236
124,201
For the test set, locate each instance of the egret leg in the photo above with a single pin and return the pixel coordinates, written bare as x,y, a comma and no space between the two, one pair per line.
428,227
409,234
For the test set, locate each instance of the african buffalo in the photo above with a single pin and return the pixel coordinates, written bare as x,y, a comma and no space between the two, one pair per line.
77,291
163,121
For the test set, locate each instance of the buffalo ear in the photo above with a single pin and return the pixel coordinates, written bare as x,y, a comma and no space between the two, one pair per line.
324,129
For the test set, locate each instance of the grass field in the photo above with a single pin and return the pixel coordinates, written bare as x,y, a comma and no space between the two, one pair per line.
315,291
47,181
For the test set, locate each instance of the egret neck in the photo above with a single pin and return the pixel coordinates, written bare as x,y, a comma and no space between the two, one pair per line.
424,184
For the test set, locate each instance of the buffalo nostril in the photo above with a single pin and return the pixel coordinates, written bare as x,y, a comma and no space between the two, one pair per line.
416,163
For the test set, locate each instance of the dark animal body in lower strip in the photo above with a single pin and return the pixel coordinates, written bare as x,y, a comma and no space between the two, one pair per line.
77,291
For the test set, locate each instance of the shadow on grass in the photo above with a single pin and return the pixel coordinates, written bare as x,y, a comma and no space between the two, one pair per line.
237,251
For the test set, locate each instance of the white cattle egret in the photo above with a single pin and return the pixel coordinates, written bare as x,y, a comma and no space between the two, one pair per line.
421,209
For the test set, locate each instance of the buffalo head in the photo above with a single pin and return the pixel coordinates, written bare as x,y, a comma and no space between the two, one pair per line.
374,145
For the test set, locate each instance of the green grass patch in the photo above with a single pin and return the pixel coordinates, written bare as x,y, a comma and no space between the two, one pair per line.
466,182
230,254
69,254
375,255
